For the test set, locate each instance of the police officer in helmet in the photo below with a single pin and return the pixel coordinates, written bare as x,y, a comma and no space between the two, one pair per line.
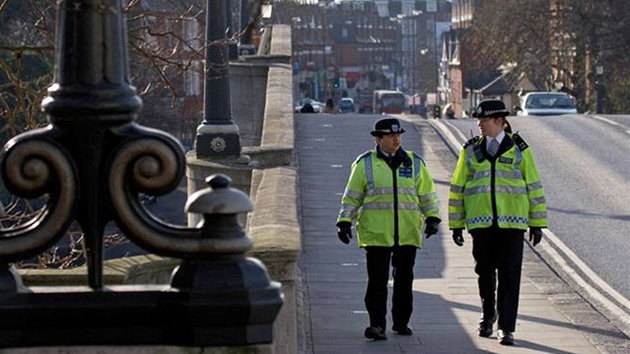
391,196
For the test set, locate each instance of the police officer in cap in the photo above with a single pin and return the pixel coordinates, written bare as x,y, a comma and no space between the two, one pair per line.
391,196
496,195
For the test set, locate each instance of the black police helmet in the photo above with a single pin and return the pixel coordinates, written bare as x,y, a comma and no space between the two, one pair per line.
387,126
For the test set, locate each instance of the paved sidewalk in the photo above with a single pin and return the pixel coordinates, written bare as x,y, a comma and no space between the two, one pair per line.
446,306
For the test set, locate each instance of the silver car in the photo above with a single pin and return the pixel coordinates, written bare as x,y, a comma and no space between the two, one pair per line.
545,104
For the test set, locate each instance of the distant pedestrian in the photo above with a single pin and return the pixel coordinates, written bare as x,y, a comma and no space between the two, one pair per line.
391,195
307,108
330,106
496,194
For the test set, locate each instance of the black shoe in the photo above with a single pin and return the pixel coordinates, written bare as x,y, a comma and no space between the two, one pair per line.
505,337
375,333
485,328
402,330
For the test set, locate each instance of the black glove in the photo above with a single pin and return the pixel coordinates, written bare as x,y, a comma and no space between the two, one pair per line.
458,238
431,227
535,235
344,231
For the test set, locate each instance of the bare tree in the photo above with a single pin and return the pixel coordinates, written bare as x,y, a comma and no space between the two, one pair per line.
602,30
511,31
26,58
557,42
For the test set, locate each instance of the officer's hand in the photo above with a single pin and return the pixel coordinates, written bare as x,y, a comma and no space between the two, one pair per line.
431,226
535,235
458,238
344,231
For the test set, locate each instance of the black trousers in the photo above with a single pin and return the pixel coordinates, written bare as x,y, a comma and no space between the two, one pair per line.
378,260
498,257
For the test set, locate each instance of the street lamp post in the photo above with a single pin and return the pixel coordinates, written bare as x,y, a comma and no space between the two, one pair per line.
599,86
217,135
432,7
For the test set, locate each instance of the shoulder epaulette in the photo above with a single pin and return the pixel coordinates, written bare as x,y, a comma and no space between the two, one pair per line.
471,141
519,142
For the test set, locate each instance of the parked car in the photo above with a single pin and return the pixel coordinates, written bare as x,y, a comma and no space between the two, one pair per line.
318,107
346,105
545,104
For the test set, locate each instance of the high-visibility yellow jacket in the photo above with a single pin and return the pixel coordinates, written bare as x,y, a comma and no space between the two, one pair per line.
389,205
506,191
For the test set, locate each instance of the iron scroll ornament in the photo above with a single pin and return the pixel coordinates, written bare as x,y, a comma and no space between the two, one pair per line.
32,165
150,166
143,161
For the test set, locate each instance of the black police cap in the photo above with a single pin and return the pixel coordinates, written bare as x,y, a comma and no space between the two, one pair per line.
387,126
490,109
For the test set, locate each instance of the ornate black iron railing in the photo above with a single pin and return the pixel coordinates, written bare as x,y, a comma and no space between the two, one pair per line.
93,161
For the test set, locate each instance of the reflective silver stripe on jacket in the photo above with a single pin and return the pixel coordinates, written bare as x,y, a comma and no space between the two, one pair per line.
416,172
455,202
470,153
390,191
503,174
538,215
456,216
368,172
536,201
518,159
428,197
426,209
353,195
390,206
498,189
348,211
457,189
429,208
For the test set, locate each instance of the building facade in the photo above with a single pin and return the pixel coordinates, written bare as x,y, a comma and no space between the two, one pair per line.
351,48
